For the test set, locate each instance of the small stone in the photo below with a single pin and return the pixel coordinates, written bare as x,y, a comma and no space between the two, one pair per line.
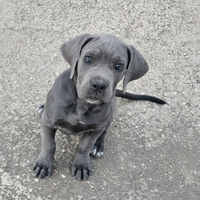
163,136
36,180
63,176
6,180
4,165
17,176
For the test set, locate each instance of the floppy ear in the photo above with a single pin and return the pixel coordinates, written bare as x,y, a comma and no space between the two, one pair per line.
71,50
137,66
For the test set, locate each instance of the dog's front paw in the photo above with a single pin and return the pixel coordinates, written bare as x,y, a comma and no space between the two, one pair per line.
43,167
81,168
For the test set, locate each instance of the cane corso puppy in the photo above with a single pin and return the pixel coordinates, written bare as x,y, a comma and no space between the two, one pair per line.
82,99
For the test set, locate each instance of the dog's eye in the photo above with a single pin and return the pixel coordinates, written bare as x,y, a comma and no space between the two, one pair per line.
119,67
88,59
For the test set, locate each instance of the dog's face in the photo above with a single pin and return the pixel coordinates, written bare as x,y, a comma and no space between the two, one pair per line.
101,66
99,62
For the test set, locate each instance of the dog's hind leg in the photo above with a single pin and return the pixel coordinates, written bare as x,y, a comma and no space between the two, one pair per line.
40,110
98,148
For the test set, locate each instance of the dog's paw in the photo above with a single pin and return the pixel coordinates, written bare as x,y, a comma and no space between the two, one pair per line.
42,168
98,149
40,110
81,169
97,152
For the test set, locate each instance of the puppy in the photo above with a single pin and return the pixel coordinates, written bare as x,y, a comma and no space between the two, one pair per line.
82,98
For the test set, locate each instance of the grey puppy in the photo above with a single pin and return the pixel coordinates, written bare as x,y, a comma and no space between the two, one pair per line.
82,98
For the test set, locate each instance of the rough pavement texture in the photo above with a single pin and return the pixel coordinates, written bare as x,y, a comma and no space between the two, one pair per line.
152,152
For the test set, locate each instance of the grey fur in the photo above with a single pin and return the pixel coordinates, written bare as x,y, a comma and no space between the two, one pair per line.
82,98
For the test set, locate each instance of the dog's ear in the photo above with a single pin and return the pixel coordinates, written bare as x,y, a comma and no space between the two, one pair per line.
136,68
71,50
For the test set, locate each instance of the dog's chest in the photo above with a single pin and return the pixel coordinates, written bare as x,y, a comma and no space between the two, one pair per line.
78,128
78,119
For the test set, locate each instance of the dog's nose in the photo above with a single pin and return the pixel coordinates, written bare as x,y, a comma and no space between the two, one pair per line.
98,84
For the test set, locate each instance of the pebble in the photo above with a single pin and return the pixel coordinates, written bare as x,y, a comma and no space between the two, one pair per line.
163,136
63,176
1,170
36,180
17,176
6,180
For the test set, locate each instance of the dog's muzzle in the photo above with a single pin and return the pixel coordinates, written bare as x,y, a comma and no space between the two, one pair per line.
95,90
98,85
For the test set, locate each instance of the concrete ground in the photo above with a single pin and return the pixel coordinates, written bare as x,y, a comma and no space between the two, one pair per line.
152,152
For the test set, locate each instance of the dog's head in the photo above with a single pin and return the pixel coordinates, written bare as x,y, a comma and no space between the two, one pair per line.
99,62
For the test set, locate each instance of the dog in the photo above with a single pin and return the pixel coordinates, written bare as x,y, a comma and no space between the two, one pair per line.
82,99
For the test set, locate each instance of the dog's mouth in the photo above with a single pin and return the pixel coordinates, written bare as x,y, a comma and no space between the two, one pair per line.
94,101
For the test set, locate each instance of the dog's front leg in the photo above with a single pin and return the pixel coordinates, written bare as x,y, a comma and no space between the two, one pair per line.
44,163
81,167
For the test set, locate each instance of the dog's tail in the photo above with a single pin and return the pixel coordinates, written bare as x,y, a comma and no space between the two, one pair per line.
40,110
136,97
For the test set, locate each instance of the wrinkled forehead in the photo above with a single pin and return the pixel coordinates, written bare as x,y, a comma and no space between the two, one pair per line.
108,46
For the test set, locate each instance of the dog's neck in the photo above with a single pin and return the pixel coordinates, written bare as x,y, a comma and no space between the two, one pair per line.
80,111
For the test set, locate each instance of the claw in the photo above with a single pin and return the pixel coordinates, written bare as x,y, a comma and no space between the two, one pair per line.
96,152
42,170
